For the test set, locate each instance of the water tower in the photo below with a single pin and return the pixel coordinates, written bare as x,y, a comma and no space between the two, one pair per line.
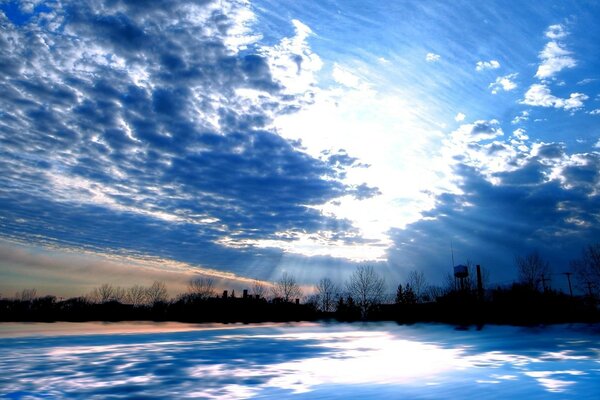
461,274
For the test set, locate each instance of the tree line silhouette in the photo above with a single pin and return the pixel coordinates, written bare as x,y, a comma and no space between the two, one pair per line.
529,300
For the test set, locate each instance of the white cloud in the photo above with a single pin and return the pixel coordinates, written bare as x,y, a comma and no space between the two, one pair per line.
524,116
240,34
432,57
520,134
586,81
556,32
504,83
492,64
575,100
292,62
28,6
459,117
345,77
480,145
595,112
540,95
478,131
554,57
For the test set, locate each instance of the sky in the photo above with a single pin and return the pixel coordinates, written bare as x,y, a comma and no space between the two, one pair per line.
245,139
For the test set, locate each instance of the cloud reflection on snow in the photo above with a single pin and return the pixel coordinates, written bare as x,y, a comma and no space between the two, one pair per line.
314,360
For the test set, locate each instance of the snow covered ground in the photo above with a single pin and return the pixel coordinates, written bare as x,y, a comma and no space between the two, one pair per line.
328,360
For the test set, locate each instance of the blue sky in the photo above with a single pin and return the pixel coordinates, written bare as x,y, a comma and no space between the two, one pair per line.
247,139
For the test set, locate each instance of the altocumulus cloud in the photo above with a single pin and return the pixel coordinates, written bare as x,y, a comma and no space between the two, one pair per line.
146,129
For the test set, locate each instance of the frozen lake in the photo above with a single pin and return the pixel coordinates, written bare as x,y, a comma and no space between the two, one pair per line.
153,360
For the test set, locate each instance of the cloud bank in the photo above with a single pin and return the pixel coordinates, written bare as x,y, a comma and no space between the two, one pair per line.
147,129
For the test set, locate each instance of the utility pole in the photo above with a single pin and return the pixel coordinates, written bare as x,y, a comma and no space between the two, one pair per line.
568,275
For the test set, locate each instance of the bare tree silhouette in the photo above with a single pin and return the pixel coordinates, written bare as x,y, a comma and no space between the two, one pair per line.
366,288
533,270
201,287
286,288
26,295
326,295
136,295
587,269
157,293
102,294
259,289
119,294
417,282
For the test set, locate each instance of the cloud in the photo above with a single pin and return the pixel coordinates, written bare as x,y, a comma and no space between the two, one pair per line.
595,112
147,129
345,77
293,63
459,117
505,190
478,131
520,134
487,221
73,272
485,148
432,57
556,32
152,130
505,83
481,145
554,57
540,95
524,116
586,81
483,65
